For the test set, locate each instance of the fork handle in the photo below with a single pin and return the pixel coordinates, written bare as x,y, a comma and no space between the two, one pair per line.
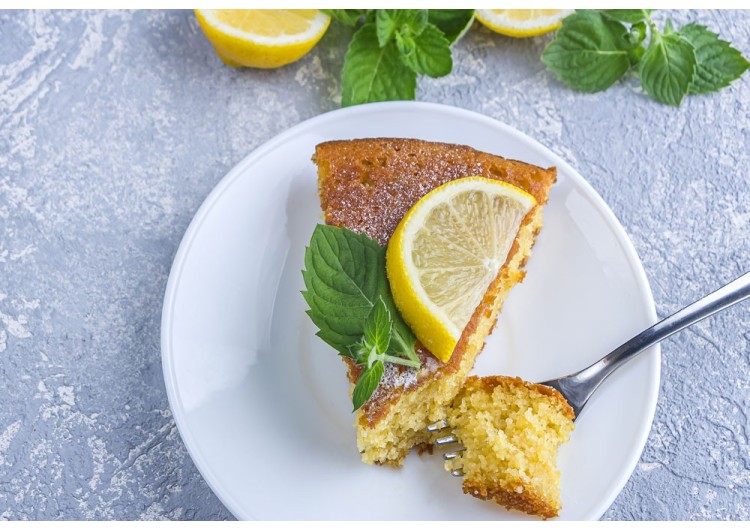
588,379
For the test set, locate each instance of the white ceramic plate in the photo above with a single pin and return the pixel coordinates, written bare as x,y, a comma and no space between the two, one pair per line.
262,404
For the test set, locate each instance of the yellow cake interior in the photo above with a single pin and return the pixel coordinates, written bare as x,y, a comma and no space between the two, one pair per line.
406,425
511,431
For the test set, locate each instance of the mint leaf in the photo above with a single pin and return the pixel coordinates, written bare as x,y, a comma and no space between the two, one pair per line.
368,381
378,327
372,73
452,22
589,52
350,17
344,280
402,337
385,26
718,64
407,22
667,68
629,16
343,277
429,53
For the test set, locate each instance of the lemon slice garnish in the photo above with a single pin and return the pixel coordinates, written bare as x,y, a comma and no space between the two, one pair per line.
446,252
522,22
262,38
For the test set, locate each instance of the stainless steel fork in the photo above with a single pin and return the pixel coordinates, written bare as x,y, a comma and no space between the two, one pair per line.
578,387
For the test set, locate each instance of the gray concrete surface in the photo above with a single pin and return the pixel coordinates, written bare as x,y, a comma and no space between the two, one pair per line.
114,126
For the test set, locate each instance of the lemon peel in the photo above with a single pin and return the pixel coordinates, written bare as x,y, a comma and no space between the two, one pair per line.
447,250
522,22
262,38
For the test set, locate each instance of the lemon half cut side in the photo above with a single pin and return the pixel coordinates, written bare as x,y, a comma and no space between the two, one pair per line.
522,22
447,250
262,38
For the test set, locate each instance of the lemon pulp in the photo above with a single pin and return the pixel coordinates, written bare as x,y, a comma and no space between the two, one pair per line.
262,38
522,22
446,252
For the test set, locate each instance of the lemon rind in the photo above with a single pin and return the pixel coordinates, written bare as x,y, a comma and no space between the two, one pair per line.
439,322
318,25
514,28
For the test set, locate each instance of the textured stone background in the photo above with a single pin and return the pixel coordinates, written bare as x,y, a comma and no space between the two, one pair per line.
114,126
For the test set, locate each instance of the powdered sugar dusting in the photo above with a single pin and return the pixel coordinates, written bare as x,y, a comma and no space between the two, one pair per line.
398,378
371,184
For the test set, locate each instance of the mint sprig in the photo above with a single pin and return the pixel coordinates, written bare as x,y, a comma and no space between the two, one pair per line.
401,23
594,49
372,351
391,47
350,302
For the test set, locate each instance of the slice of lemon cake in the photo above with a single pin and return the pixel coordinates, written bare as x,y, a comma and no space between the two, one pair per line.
368,186
511,431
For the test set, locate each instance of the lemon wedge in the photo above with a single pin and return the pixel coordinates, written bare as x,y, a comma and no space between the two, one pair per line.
522,22
262,38
446,252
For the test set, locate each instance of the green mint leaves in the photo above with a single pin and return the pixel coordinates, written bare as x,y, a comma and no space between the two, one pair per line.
372,351
372,73
428,53
391,47
589,52
367,383
401,23
378,328
718,64
667,68
594,49
350,302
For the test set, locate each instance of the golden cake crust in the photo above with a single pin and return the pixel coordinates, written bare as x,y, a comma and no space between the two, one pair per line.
369,184
488,383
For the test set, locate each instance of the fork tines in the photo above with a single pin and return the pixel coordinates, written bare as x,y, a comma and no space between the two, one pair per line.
445,440
437,426
448,440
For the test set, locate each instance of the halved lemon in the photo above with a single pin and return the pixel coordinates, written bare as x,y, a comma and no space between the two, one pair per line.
522,22
262,38
447,250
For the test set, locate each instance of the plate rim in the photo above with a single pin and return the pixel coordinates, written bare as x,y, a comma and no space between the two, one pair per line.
200,215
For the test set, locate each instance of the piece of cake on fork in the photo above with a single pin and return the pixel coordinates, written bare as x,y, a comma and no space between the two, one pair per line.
511,431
